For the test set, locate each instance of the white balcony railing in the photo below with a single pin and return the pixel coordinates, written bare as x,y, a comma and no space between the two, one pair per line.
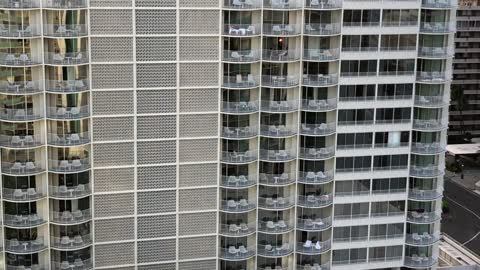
242,205
443,4
240,106
66,4
433,76
279,250
240,229
424,194
437,27
276,202
313,266
242,4
277,179
280,55
430,124
234,253
429,101
78,263
283,4
426,171
22,4
28,246
241,29
277,130
421,261
428,148
241,81
435,52
323,4
422,239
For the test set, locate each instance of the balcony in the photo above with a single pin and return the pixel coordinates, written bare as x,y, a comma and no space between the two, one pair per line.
276,203
65,166
437,27
272,227
313,248
321,55
240,107
277,131
428,148
239,132
322,4
242,205
67,243
419,261
280,55
240,181
424,239
423,195
19,4
281,29
322,129
277,155
69,86
274,250
23,168
311,177
65,30
239,4
320,79
279,80
315,266
314,201
240,81
243,56
276,179
321,29
23,221
282,4
236,254
241,30
21,87
440,4
28,114
314,224
18,60
72,139
433,76
19,31
23,195
426,171
317,153
22,247
238,157
66,4
436,52
76,264
399,23
430,124
319,105
238,230
70,58
429,101
422,217
279,106
67,217
392,121
70,192
68,112
26,141
21,266
360,123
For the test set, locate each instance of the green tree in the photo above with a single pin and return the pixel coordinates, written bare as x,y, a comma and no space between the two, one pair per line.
459,102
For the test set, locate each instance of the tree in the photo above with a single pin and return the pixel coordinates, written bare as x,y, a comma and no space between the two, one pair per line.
460,101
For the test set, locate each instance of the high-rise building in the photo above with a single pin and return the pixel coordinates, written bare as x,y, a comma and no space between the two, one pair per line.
465,110
235,134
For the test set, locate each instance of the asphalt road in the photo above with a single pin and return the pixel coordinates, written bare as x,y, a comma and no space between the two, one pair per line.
463,220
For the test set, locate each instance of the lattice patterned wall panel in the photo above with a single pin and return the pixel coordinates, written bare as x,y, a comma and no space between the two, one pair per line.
110,3
154,177
156,152
114,254
156,251
111,22
199,74
197,247
199,3
113,154
201,125
155,202
156,22
196,265
156,127
113,128
111,180
190,150
198,223
199,100
199,22
112,76
112,102
118,229
198,175
198,48
120,268
155,3
111,205
166,266
111,49
156,226
156,75
198,199
157,101
156,48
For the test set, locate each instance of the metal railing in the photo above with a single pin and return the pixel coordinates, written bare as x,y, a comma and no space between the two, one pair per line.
66,4
280,55
353,170
239,181
28,114
79,190
323,4
437,27
318,177
65,30
68,86
27,194
320,79
282,4
360,49
276,179
314,266
280,80
18,59
75,242
68,112
435,52
386,236
419,261
277,131
67,217
318,129
398,48
350,239
351,216
277,155
239,132
423,194
18,141
361,24
391,168
241,30
359,74
271,226
447,4
321,29
429,101
428,148
279,106
240,253
240,106
426,171
313,248
430,124
314,224
344,262
316,153
319,105
68,139
353,146
433,76
422,217
19,31
278,250
241,205
239,4
399,23
238,156
21,87
276,203
23,221
241,56
315,200
321,54
422,239
29,246
355,123
64,165
240,229
69,58
281,29
20,4
241,81
397,73
77,264
22,168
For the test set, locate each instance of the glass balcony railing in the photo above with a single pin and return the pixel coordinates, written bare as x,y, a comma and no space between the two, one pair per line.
241,205
276,202
71,243
433,76
19,31
313,266
20,4
23,221
27,114
71,217
27,194
319,105
281,29
239,132
316,153
240,107
314,224
428,148
240,181
242,4
274,227
235,254
21,266
280,55
309,247
65,30
69,192
320,79
319,55
322,129
419,261
22,168
424,194
311,177
241,30
71,139
422,239
282,4
70,58
441,4
68,112
313,201
437,27
68,86
29,246
241,56
321,29
63,165
21,87
278,250
240,229
238,156
18,59
323,4
67,4
277,155
77,264
279,106
277,131
21,141
422,217
435,52
277,179
241,81
280,80
401,23
429,101
430,124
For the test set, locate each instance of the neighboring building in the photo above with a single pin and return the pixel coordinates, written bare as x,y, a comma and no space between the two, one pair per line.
164,134
455,256
465,117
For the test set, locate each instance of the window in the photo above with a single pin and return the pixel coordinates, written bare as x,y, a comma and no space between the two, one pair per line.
393,115
390,162
353,164
354,140
389,185
359,116
357,92
395,91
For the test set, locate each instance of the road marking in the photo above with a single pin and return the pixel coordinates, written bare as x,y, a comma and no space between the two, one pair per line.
473,213
475,236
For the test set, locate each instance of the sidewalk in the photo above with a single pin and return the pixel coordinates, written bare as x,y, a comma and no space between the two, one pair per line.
469,179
